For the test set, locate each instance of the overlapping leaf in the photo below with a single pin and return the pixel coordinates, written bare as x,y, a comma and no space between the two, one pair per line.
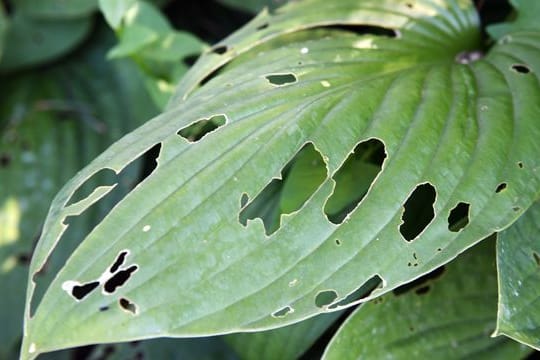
450,124
518,262
447,317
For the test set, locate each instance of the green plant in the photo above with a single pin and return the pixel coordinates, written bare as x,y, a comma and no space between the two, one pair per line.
325,155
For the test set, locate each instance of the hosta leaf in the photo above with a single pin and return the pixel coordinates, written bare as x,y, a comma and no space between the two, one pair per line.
449,317
56,9
518,262
173,259
51,125
3,27
30,41
286,343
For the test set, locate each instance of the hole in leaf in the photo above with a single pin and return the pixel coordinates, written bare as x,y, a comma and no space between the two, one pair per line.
119,261
459,217
281,79
128,306
521,68
302,176
119,279
200,128
362,292
104,308
5,160
354,178
536,258
421,281
220,50
338,242
81,291
325,298
418,211
80,225
283,312
516,208
501,187
104,177
520,164
364,30
190,60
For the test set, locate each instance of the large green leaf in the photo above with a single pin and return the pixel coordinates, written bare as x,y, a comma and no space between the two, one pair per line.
3,28
29,42
52,123
448,317
191,268
518,261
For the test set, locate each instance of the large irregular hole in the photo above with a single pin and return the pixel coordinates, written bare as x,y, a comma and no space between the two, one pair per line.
362,292
79,292
418,211
354,178
104,177
364,30
128,306
301,177
201,128
459,217
521,68
325,298
419,284
119,279
118,262
80,225
281,79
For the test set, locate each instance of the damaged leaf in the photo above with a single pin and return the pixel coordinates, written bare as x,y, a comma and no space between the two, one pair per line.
406,78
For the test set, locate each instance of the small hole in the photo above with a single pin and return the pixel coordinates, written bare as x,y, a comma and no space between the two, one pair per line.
418,211
521,68
119,279
104,308
338,242
81,291
520,165
262,26
119,262
501,187
459,217
283,312
200,128
281,79
516,208
128,306
220,50
325,298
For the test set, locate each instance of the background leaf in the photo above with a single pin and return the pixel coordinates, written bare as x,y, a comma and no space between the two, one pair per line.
56,9
518,262
449,317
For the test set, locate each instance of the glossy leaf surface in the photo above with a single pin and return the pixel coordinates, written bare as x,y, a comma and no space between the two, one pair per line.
194,269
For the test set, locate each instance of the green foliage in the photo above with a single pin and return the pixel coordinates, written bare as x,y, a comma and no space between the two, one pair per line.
327,155
518,260
447,317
